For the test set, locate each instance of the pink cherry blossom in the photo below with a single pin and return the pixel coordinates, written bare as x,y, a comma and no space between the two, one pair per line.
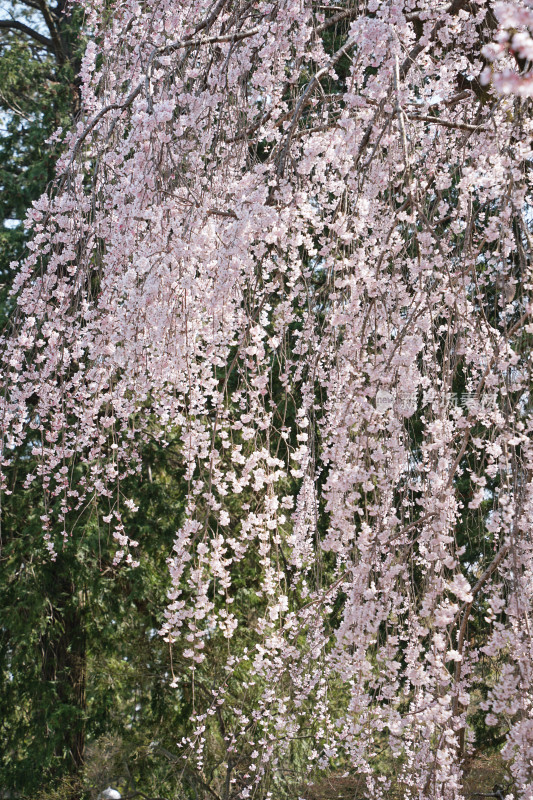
313,268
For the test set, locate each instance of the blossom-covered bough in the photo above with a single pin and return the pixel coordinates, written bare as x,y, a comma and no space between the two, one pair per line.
299,235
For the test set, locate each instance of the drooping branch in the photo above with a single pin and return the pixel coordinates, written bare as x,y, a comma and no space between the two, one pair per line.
296,305
55,36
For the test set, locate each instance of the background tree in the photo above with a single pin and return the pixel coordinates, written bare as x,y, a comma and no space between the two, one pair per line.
43,632
39,63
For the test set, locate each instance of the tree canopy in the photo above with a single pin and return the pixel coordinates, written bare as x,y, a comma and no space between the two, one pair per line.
290,243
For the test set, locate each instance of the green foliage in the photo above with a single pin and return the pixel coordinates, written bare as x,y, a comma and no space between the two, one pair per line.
80,657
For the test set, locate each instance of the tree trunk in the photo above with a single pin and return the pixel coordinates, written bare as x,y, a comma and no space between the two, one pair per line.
64,664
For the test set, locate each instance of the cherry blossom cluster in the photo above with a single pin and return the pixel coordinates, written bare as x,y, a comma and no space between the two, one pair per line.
510,54
270,216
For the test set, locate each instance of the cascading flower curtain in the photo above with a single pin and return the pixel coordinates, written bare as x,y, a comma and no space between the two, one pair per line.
298,234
